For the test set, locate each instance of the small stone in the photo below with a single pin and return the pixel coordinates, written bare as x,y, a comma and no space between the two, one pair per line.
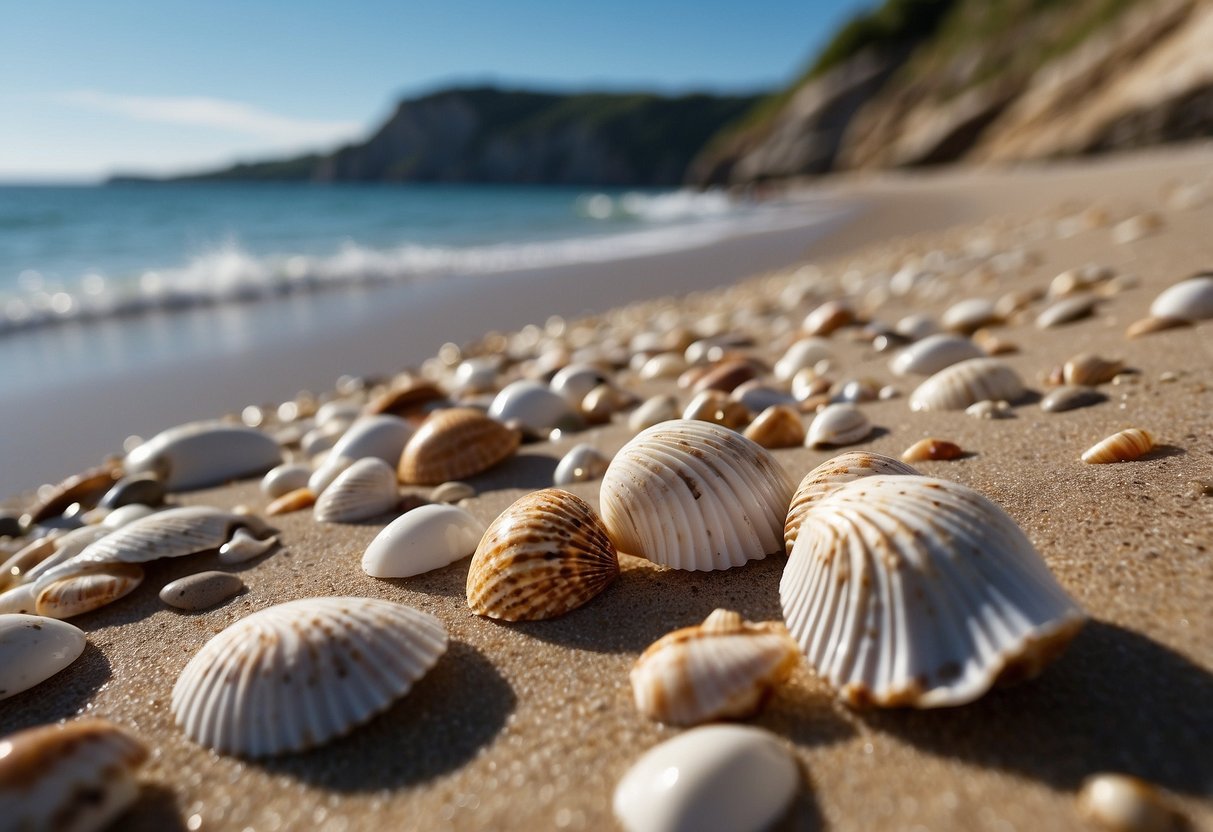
990,409
1071,397
201,591
1200,488
1120,803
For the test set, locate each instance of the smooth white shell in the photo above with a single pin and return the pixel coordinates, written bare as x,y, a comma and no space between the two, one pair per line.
838,424
201,454
932,354
718,778
1190,300
574,382
969,314
960,385
532,404
296,675
694,495
582,463
653,411
802,354
33,649
365,489
426,538
284,479
382,437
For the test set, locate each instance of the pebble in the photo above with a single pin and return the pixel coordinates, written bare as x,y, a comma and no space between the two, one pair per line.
990,409
142,489
201,591
1120,803
1071,397
1066,311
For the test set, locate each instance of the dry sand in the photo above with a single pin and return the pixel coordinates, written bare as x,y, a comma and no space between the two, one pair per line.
530,726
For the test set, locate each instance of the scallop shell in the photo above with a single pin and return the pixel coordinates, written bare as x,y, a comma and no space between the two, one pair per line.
1088,369
455,443
297,675
582,463
284,479
829,475
1189,300
723,668
76,777
202,454
1120,447
33,649
533,405
838,424
933,353
966,383
908,590
545,555
88,590
426,538
365,489
693,495
778,426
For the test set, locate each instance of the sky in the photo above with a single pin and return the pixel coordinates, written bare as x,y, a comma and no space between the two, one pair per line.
158,87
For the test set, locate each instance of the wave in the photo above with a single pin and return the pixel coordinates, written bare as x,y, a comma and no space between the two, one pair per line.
664,207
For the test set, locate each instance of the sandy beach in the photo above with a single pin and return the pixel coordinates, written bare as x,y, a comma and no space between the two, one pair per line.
530,726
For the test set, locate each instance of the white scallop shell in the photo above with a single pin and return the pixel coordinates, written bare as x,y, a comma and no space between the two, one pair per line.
426,538
33,649
532,404
582,463
297,675
1189,300
694,495
966,383
838,424
932,354
284,479
365,489
202,454
802,354
909,590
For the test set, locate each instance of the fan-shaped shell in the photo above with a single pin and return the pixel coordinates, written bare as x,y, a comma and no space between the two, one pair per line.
908,590
89,590
1189,300
838,424
453,444
722,668
426,538
1124,446
202,454
365,489
968,382
545,555
33,649
297,675
76,777
694,495
934,353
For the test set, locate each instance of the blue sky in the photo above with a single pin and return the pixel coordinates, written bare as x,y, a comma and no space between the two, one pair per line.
90,88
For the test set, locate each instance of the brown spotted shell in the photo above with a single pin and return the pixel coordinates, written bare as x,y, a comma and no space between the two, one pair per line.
545,555
455,443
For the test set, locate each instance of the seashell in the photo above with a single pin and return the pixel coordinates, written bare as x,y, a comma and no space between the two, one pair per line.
338,413
829,475
908,590
1066,311
1088,369
202,454
545,555
926,449
84,488
934,353
721,669
201,591
244,547
452,492
329,470
715,778
990,409
139,489
371,437
838,424
90,589
1152,324
778,426
1121,803
1070,397
284,479
574,382
74,777
1015,301
292,501
991,344
663,365
19,599
14,570
297,675
428,537
1189,300
963,384
854,391
801,355
828,317
726,375
917,327
697,496
582,463
33,649
604,401
757,396
408,396
653,411
809,384
125,515
716,407
1124,446
365,489
533,405
968,315
477,375
1136,228
67,547
455,443
319,440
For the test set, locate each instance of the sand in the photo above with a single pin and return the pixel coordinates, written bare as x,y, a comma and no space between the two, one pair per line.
530,726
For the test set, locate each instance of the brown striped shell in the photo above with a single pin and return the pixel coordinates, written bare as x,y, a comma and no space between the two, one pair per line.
545,555
84,488
89,590
453,444
1120,447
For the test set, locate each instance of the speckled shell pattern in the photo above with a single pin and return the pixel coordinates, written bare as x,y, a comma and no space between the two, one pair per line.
914,591
297,675
545,555
697,496
453,444
960,385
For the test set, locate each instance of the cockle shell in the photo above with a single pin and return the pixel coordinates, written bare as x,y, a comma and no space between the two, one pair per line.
88,590
365,489
960,385
426,538
284,479
1124,446
455,443
778,426
202,454
693,495
829,475
723,668
545,555
715,778
533,405
933,353
582,463
909,590
838,424
297,675
76,777
1189,300
33,649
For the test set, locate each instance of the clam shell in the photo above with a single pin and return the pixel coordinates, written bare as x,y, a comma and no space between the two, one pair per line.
829,475
284,479
802,354
1066,311
908,590
653,411
297,675
372,437
76,777
574,382
88,590
1088,369
1190,300
202,454
960,385
533,405
452,492
365,489
406,396
33,649
455,443
778,426
582,463
968,315
838,424
757,396
1124,446
426,538
723,668
727,375
545,555
693,495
